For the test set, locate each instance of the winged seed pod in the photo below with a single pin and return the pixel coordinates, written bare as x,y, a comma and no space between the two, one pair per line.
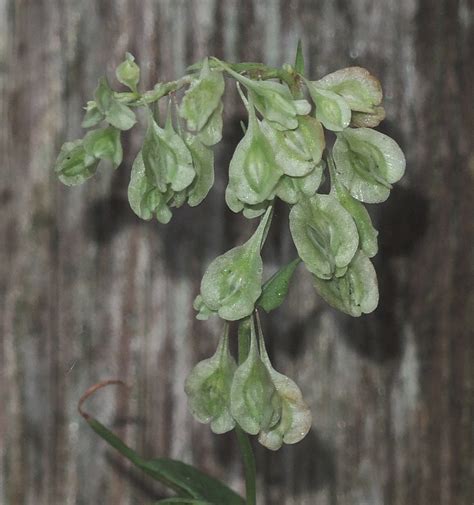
253,171
104,144
273,100
128,72
331,109
368,163
166,157
324,234
203,164
295,419
211,132
356,292
292,189
115,113
297,151
145,199
232,282
202,98
254,402
359,88
208,388
367,233
73,164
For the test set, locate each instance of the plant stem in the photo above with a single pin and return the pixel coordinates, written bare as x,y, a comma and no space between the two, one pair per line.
250,469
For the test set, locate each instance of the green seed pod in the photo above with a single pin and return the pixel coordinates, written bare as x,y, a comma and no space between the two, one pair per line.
331,109
73,165
202,98
273,100
254,401
128,72
203,164
360,89
297,151
232,282
324,234
208,388
354,293
166,156
211,133
368,163
253,171
203,310
144,197
367,233
104,144
115,113
295,420
292,189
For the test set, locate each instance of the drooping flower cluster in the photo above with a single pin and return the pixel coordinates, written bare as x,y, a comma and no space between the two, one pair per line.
283,155
254,395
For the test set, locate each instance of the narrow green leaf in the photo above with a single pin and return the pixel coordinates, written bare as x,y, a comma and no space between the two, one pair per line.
299,60
187,481
182,501
275,289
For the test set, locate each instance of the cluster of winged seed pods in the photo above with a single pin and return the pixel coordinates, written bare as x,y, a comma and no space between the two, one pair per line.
283,154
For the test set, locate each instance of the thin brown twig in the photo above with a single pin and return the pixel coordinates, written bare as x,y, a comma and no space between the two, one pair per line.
93,389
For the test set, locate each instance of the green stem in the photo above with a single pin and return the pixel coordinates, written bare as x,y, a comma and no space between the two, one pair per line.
250,470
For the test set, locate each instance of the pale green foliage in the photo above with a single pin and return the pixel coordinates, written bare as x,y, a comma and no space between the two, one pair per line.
104,144
331,109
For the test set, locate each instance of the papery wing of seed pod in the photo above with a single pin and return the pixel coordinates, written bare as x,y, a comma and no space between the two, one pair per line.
254,402
203,163
139,188
73,165
203,310
208,388
253,171
104,144
295,420
211,132
360,89
253,211
368,120
367,163
292,189
354,293
324,234
234,204
202,98
367,233
331,109
232,283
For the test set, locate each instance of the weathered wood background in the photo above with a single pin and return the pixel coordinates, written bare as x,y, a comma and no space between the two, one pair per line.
88,292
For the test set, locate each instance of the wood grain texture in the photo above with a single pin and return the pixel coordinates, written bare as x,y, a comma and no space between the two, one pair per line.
89,292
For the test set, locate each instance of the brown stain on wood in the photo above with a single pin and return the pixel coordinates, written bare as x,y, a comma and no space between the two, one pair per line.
88,292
